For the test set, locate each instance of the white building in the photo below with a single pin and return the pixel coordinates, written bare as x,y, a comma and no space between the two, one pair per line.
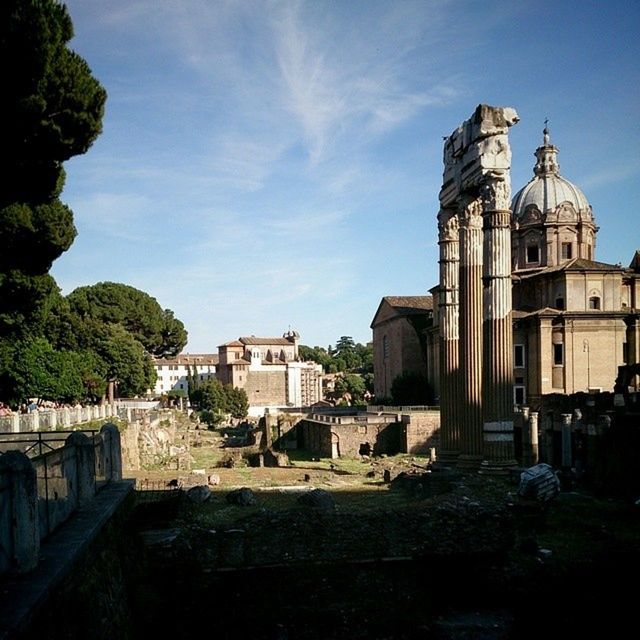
172,372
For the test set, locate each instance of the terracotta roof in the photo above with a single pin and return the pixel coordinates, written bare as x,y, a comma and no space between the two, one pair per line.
190,358
410,304
581,264
252,340
576,264
405,306
233,343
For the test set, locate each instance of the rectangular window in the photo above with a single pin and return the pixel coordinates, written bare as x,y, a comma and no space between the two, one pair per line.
594,302
533,253
625,352
518,355
566,251
558,354
519,395
237,356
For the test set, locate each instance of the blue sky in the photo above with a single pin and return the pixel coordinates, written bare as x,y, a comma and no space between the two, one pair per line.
267,165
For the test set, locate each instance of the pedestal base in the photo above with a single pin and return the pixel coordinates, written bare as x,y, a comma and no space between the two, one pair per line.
497,468
448,457
469,462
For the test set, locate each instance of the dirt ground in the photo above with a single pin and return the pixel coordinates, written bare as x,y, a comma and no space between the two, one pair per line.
563,569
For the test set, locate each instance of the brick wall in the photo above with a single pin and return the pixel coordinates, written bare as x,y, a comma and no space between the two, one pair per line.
320,438
266,388
420,431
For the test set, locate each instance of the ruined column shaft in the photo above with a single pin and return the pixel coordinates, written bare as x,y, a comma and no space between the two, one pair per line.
471,259
499,449
476,155
449,334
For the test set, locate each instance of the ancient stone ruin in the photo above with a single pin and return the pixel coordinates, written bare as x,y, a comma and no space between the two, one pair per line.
474,225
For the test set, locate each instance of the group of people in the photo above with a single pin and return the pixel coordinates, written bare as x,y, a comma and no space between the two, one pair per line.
43,405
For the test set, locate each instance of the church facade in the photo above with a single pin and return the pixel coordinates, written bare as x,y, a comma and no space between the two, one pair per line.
575,320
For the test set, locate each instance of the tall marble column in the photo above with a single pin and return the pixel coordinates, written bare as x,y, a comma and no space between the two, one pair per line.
471,332
449,334
499,452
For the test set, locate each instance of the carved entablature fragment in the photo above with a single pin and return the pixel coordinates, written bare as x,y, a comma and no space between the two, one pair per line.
478,149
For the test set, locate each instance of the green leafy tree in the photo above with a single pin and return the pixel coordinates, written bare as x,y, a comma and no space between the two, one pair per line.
192,380
346,357
211,396
315,354
411,388
237,402
51,110
34,369
157,329
351,388
214,397
365,355
124,360
346,354
211,418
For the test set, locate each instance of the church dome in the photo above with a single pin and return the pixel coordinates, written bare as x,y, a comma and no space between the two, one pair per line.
547,190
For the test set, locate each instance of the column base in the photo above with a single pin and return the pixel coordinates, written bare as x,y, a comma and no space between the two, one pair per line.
497,468
469,462
447,456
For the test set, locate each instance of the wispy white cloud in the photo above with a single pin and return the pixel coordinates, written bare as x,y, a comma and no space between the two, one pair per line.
305,223
244,162
120,216
336,83
611,175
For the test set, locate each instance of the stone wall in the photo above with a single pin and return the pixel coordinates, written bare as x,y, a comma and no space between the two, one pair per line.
266,388
39,494
52,419
337,440
152,439
93,594
404,353
420,431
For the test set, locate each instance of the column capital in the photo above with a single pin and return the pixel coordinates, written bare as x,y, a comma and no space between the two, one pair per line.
470,213
496,192
448,225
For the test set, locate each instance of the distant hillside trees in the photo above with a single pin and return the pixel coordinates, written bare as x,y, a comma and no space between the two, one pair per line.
347,356
353,360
